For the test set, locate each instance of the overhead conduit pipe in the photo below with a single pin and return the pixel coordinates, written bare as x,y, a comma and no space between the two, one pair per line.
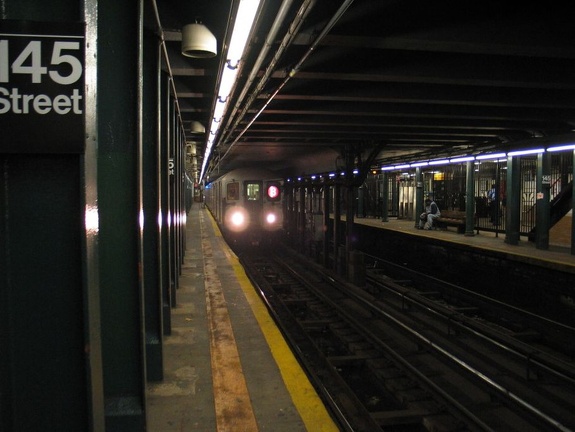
168,66
286,42
339,13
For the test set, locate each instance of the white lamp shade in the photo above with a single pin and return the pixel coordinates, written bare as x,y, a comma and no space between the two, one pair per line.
198,41
197,128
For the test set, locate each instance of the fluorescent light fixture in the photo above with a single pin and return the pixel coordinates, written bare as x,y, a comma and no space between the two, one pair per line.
243,23
356,171
490,156
242,28
227,82
439,162
526,152
218,114
561,147
401,166
388,168
418,164
461,159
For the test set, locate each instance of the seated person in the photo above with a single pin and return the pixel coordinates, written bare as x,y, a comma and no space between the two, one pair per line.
431,212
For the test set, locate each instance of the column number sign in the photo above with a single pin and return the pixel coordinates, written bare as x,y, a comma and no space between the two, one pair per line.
41,87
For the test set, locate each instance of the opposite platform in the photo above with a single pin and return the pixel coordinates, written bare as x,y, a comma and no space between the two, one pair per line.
557,256
226,364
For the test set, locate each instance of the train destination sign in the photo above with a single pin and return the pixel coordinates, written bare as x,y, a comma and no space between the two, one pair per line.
41,87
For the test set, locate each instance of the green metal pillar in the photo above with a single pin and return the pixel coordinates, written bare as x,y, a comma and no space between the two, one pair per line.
180,145
513,210
47,375
326,230
92,303
336,224
419,203
42,365
385,195
360,201
301,219
164,198
122,327
172,134
573,209
150,200
543,206
470,201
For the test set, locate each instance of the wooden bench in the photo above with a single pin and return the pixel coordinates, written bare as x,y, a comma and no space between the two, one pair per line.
451,218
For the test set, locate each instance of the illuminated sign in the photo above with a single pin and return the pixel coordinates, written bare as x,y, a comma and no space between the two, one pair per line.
41,87
273,191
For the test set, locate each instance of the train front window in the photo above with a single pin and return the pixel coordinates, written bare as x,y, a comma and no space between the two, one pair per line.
233,191
253,191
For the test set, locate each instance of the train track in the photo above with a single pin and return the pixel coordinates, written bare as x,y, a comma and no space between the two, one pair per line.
395,357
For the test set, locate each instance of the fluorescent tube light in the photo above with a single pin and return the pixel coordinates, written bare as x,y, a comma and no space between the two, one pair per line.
561,147
243,23
490,156
439,162
526,152
461,159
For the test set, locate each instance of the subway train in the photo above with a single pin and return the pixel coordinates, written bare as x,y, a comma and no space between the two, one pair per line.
247,205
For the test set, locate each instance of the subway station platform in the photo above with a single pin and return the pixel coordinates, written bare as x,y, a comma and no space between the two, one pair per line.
557,256
226,364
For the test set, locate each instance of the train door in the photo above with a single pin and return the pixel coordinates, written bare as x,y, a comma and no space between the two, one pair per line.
253,200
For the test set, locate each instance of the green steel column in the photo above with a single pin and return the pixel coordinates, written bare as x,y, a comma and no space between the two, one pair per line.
182,198
164,197
349,219
122,328
326,225
46,376
292,215
470,201
497,198
385,194
151,235
419,204
301,217
178,201
513,214
573,209
177,221
543,206
172,137
336,223
92,301
360,203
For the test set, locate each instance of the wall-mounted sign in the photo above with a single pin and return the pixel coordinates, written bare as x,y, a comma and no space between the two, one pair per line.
41,87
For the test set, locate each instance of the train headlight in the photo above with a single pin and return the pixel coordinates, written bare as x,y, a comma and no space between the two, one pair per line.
271,218
236,219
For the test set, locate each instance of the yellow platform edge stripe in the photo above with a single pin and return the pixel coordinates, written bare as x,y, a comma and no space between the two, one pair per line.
306,400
